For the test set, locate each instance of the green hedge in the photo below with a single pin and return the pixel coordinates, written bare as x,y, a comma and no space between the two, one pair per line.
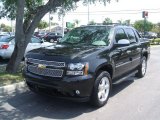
155,41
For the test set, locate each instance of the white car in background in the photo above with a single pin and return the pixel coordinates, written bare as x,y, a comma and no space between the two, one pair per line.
7,45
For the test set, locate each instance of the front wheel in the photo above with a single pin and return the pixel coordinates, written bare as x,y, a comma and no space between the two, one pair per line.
142,68
101,89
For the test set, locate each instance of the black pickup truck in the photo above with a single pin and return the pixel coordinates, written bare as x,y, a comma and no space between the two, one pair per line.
86,62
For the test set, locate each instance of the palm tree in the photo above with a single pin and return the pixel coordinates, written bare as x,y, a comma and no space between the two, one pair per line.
107,21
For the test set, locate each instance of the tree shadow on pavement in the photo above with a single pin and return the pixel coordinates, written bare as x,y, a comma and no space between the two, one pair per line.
27,105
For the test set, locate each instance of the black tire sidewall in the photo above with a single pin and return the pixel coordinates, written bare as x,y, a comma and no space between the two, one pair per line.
140,74
94,97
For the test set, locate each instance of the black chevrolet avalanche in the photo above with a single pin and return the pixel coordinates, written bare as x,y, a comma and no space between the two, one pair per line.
86,62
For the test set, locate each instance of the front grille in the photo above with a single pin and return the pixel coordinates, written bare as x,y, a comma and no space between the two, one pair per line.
46,63
45,71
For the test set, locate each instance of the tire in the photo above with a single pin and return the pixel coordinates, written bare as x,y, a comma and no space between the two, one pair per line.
142,68
51,40
101,89
32,88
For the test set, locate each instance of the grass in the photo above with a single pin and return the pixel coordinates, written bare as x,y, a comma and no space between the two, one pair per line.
7,79
155,41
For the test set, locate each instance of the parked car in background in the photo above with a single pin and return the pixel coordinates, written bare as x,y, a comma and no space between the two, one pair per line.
52,37
1,36
150,35
7,44
40,34
7,33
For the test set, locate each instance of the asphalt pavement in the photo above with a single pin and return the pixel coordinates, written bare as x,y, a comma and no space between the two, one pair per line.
135,99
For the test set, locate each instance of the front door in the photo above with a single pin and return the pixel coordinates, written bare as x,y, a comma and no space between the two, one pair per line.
121,55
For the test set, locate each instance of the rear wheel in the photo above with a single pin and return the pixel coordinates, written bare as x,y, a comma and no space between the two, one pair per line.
101,89
142,68
51,40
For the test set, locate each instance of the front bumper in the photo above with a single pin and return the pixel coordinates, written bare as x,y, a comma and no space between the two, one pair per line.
65,87
5,54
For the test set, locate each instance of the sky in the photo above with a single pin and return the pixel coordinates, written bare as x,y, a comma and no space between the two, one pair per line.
122,10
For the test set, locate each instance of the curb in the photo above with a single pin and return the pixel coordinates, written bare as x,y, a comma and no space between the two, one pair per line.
154,46
12,88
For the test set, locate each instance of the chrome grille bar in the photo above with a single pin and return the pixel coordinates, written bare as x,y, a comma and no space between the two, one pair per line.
45,72
47,63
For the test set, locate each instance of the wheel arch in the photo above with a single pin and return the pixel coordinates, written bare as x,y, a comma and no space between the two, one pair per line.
145,54
105,67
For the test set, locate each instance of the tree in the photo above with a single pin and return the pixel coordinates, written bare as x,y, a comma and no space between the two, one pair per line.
156,28
28,14
127,22
76,21
5,28
119,21
52,23
3,25
92,22
107,21
142,25
42,25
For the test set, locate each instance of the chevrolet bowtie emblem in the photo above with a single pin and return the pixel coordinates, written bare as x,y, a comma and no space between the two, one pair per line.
41,66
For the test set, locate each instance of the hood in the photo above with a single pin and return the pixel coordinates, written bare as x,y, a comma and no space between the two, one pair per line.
72,51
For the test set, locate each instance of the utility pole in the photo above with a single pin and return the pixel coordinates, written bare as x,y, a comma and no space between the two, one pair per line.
11,25
145,26
62,25
49,21
145,15
62,20
88,11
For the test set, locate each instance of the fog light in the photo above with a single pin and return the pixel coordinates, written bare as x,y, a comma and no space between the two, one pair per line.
77,92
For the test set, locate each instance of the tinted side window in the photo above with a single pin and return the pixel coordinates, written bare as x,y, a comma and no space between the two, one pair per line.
52,34
120,34
35,40
138,34
131,35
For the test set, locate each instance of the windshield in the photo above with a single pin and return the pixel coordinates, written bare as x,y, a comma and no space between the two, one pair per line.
5,39
90,35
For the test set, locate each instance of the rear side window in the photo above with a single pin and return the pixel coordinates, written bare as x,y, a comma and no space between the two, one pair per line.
35,40
138,34
5,39
131,35
120,34
52,34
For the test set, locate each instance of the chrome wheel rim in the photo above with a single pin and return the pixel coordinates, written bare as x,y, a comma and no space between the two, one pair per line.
51,40
103,89
144,66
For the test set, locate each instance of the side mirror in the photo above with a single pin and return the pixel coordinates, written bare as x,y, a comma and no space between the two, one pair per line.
123,42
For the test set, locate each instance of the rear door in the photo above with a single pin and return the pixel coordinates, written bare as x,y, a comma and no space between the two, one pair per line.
135,48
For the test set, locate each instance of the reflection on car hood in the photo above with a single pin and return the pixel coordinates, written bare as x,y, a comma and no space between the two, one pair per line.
72,51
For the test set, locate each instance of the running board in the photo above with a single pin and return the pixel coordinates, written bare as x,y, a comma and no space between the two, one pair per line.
124,78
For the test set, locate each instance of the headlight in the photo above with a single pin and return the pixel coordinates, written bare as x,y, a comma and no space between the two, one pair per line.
76,66
77,69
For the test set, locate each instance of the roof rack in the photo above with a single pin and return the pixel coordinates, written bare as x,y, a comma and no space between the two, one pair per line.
109,24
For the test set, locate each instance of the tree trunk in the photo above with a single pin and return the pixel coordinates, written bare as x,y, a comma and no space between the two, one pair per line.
17,57
25,30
